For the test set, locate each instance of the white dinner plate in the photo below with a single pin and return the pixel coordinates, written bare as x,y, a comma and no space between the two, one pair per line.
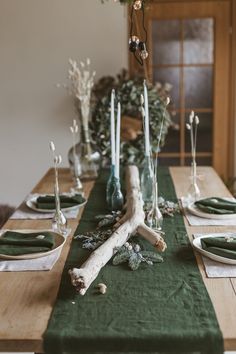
58,239
197,245
31,203
193,209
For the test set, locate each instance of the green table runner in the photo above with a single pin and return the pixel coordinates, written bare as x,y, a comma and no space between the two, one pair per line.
164,308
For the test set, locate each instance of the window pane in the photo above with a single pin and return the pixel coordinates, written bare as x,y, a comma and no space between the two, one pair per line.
170,76
166,41
204,133
198,41
198,87
172,143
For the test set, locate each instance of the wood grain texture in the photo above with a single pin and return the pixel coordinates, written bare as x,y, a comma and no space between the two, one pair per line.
221,290
27,298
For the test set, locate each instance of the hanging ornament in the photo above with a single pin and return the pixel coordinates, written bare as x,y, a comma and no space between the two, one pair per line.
137,4
136,46
133,43
143,50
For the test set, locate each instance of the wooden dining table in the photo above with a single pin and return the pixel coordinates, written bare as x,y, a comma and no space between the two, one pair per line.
27,298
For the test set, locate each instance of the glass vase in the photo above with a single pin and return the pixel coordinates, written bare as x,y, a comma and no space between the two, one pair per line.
78,187
88,156
154,216
117,199
110,186
147,180
193,191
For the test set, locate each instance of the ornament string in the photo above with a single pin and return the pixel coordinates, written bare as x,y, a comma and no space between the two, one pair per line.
136,46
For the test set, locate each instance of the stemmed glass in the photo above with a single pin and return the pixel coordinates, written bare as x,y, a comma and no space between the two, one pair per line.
193,193
59,222
154,216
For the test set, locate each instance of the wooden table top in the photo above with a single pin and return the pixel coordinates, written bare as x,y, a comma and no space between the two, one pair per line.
27,298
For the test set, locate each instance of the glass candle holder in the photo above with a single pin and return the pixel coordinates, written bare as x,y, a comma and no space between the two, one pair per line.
147,180
193,193
117,199
110,186
154,216
59,221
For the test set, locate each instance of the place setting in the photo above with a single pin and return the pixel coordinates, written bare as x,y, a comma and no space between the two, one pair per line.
29,250
200,210
43,206
211,211
218,251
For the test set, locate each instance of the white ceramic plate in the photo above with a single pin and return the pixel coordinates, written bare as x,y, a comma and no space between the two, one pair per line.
193,209
58,238
31,203
197,245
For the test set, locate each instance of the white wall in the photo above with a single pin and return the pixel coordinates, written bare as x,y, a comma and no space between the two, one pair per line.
36,39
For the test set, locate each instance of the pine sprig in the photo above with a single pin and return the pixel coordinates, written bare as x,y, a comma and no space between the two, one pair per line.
134,255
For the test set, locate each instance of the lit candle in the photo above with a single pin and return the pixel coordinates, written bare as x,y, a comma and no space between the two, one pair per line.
117,164
146,125
112,127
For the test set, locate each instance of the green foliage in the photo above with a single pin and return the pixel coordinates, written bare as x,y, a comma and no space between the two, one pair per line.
134,255
128,92
108,219
93,239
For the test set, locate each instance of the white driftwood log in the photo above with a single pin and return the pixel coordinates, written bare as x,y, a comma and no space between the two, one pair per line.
131,223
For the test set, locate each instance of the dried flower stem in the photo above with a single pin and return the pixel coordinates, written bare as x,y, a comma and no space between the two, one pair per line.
192,126
82,82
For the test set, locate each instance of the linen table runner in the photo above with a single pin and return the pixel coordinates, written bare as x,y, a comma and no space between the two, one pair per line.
164,308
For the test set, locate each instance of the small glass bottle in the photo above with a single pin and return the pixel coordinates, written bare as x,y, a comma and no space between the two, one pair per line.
110,186
78,187
117,199
147,180
89,159
59,222
154,216
88,155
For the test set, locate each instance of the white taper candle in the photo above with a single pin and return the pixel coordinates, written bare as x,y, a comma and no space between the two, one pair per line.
112,127
146,133
117,164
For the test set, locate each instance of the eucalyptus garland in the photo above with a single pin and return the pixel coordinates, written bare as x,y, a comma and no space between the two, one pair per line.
128,92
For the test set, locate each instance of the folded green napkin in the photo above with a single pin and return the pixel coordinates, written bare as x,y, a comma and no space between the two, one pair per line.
216,206
48,201
221,246
17,243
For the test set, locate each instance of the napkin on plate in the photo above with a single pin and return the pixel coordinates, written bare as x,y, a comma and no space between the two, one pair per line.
221,246
17,243
216,206
48,201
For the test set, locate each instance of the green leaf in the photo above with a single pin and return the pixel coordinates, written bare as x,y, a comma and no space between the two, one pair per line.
152,256
120,257
134,261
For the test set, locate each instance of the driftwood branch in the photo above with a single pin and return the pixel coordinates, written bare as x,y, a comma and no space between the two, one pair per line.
131,223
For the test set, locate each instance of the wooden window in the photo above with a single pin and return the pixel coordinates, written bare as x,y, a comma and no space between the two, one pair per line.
189,44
